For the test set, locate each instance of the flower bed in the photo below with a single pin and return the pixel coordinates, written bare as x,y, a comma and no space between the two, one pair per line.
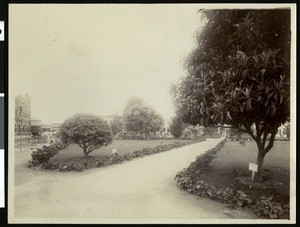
190,180
81,163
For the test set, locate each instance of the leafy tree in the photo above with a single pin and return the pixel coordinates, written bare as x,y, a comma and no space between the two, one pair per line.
117,125
132,102
176,127
87,131
140,118
288,130
239,74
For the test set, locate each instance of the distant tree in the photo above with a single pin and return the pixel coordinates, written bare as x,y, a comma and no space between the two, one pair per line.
132,102
196,130
239,74
117,125
288,130
210,131
142,119
88,131
176,127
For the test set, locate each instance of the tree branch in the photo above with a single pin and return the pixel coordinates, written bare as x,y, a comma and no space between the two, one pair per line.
90,149
248,129
271,142
80,145
265,138
258,133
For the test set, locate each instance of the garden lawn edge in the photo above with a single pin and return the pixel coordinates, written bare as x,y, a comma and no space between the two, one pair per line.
82,163
187,180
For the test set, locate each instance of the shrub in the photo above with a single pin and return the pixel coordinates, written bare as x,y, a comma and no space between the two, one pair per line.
266,207
44,154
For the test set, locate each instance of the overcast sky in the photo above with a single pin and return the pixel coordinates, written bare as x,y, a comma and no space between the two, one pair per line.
93,58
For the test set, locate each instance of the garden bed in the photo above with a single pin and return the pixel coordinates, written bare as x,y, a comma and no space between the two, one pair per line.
71,158
222,173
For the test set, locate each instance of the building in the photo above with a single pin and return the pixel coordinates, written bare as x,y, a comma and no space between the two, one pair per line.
55,127
36,126
22,115
46,128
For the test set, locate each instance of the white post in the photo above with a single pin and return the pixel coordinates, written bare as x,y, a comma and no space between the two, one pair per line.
253,167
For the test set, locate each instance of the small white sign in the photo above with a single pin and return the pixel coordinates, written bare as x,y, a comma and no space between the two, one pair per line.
253,167
114,151
1,30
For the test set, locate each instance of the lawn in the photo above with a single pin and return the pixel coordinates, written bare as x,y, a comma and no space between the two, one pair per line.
122,146
233,162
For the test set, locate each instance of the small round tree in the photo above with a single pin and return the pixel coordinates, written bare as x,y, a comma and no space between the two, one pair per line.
87,131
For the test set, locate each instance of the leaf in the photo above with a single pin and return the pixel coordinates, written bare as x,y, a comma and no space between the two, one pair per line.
248,106
256,59
281,97
273,109
259,98
229,116
241,108
247,93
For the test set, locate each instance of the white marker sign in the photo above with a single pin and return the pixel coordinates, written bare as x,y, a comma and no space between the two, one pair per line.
114,151
253,167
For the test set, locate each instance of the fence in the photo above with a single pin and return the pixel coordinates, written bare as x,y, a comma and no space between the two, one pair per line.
26,141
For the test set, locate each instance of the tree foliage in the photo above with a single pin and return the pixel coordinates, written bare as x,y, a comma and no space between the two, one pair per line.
210,131
142,119
176,127
132,102
117,125
87,131
239,74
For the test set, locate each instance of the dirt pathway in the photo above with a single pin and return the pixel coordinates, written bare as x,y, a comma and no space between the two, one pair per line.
142,190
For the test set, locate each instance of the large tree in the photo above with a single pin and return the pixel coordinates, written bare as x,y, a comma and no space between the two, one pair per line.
142,119
239,74
117,125
88,131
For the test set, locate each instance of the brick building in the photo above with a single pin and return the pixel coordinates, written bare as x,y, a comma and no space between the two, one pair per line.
22,115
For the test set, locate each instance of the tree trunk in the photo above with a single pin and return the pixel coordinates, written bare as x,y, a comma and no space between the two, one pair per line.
259,162
85,152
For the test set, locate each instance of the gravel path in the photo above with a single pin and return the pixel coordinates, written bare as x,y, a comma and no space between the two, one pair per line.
139,191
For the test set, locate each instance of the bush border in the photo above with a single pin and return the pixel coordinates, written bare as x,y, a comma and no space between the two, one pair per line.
43,157
235,199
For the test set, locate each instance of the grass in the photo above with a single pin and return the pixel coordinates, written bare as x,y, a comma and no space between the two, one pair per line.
233,162
122,146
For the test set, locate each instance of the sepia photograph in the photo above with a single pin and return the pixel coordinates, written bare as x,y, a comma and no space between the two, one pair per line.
152,113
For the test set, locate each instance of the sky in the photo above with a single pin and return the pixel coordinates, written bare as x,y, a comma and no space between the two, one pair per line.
93,58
